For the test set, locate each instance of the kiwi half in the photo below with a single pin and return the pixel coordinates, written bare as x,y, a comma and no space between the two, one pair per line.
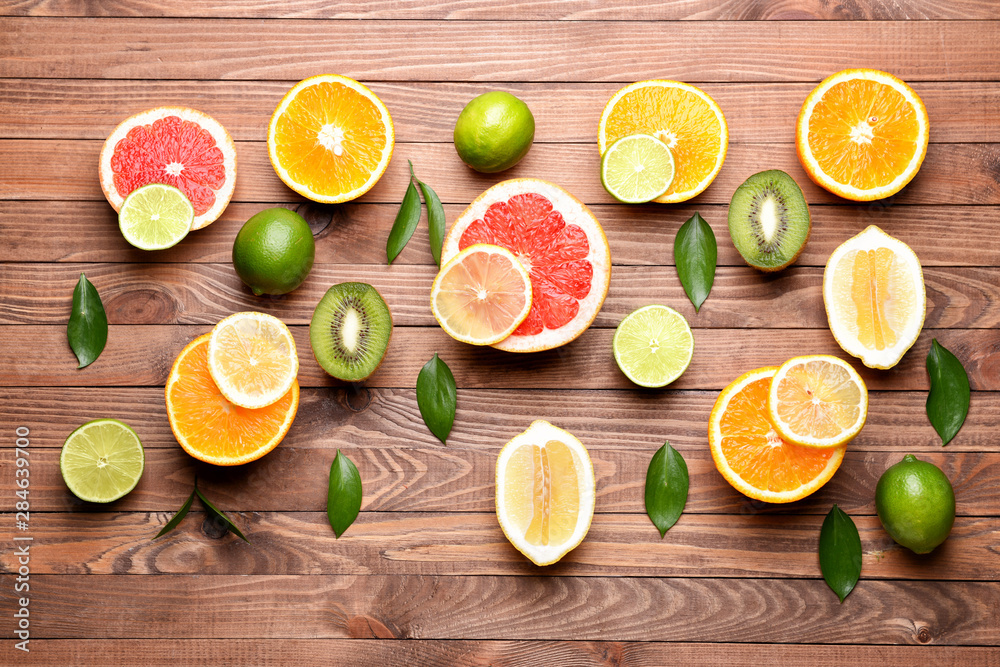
769,220
350,331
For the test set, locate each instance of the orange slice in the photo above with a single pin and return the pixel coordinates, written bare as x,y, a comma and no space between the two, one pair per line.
680,115
817,401
481,295
544,492
752,456
252,359
873,290
862,134
330,139
212,429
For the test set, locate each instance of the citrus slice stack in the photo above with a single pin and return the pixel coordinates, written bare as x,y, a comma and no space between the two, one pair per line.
102,460
873,290
212,429
680,115
544,492
481,295
817,401
176,146
752,456
252,359
862,134
330,138
559,243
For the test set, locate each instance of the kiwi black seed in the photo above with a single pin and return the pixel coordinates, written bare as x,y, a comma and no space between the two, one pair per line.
769,220
350,331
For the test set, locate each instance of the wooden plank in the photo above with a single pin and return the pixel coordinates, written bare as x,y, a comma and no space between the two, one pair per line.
459,478
143,48
141,355
426,111
485,607
380,418
355,233
951,174
482,653
550,10
742,297
302,543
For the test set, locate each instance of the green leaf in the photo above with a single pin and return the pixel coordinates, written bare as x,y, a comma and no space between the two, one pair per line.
344,499
181,513
840,552
666,487
435,220
436,397
406,221
948,400
88,323
695,255
214,512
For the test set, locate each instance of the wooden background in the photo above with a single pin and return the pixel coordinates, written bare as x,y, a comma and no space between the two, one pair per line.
734,582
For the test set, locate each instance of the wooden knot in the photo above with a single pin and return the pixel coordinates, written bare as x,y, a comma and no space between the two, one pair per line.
365,627
924,635
358,398
142,305
214,527
319,217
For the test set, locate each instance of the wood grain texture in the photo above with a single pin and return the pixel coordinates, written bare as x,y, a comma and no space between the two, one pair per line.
742,297
414,478
143,354
483,653
302,543
438,50
484,607
424,112
951,174
355,233
609,10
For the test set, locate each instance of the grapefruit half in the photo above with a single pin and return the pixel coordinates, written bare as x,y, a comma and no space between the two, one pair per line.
177,146
557,240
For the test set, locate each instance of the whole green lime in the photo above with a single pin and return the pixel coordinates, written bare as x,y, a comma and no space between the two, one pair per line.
494,131
274,251
916,504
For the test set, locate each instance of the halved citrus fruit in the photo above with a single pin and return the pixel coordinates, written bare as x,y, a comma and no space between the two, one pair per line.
750,454
544,492
155,217
862,134
817,401
252,359
557,240
102,460
330,138
212,429
873,290
481,295
176,146
680,115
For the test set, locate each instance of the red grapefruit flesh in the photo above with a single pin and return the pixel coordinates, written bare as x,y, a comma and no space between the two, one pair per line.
560,243
177,146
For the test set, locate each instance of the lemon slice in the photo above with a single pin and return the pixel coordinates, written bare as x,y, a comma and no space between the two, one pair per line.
873,290
102,460
252,359
481,295
817,401
544,492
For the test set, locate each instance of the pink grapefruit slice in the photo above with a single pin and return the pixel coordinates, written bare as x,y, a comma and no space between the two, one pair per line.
557,240
176,146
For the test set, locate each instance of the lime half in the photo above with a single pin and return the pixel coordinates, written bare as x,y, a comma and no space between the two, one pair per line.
102,460
653,346
637,169
155,216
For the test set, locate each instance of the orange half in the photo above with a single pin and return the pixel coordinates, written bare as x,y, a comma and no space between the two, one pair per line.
212,429
750,454
330,138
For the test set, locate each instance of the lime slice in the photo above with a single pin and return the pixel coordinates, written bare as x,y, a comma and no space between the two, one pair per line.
155,216
653,346
102,460
637,169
